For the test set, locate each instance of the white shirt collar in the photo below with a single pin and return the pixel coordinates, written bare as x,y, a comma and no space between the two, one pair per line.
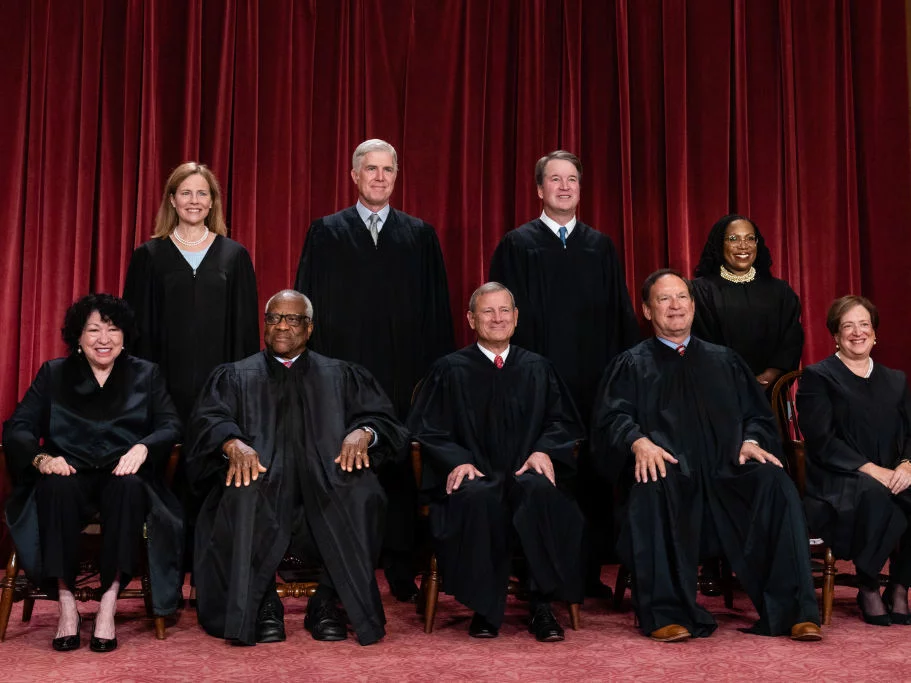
555,227
491,355
365,213
283,360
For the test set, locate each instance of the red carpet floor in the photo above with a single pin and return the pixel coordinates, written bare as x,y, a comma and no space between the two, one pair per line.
607,648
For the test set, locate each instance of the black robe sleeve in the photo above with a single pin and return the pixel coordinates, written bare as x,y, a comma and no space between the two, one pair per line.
367,405
138,291
434,421
615,422
786,356
22,432
212,424
243,309
437,331
816,418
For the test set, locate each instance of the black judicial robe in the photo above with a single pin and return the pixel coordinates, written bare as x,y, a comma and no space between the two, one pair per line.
190,323
296,419
383,306
760,320
574,307
92,427
468,411
848,421
701,408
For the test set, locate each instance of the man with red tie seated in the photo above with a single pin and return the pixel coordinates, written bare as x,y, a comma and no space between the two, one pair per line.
498,431
685,426
286,443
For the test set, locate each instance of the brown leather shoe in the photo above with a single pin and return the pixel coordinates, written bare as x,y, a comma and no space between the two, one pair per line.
806,631
671,633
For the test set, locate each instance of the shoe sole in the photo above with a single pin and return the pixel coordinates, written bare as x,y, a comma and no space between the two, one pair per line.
807,637
672,639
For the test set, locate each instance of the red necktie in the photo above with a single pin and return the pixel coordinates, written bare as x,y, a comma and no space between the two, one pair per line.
681,349
498,361
287,363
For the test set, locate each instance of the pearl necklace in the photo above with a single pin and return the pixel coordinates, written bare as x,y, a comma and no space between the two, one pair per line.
195,243
748,276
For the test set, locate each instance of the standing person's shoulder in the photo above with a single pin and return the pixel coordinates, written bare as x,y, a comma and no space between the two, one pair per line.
230,248
339,219
409,221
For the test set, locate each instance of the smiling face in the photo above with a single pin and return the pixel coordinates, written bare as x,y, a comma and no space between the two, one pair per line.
375,179
855,336
560,190
740,246
282,339
494,319
101,342
192,200
670,308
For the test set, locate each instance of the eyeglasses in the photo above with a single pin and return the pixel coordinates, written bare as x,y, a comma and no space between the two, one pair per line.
745,239
293,319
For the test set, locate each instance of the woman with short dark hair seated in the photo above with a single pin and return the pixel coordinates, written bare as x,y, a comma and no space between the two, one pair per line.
92,435
854,415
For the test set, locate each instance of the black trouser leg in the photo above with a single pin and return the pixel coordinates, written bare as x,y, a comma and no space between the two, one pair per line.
123,507
63,511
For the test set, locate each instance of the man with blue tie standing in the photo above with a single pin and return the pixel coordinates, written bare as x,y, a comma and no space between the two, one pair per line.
576,311
377,278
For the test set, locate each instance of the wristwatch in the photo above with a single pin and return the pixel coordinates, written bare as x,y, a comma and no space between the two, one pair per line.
38,459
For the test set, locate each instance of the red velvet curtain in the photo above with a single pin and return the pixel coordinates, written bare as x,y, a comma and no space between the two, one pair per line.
793,112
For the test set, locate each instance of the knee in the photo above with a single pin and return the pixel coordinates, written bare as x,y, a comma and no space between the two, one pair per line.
537,486
476,492
55,487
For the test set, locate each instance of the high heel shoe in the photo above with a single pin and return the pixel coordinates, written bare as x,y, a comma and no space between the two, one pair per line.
97,644
898,618
68,643
873,619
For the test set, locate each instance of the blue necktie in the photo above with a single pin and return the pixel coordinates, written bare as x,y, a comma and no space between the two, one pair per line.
563,235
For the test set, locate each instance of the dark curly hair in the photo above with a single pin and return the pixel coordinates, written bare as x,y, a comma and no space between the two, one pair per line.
713,252
111,309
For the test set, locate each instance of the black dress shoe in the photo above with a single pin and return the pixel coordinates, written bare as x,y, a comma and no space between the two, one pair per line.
68,643
544,625
404,590
325,621
481,628
270,619
598,590
102,644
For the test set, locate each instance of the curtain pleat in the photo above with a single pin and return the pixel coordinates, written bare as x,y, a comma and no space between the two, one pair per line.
792,112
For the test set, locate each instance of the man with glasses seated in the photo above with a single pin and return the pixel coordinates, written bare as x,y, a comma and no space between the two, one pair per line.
285,443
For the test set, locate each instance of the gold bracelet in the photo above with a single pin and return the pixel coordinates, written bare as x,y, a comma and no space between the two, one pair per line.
38,459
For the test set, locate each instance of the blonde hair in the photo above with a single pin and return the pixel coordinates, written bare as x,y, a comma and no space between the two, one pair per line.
166,219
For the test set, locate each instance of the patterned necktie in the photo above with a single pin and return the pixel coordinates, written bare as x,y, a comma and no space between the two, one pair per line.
287,363
371,225
681,349
498,361
563,235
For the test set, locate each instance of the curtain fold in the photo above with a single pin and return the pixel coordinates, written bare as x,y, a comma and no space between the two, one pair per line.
792,112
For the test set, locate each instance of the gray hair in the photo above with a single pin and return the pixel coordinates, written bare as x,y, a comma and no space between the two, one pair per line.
373,145
291,294
489,288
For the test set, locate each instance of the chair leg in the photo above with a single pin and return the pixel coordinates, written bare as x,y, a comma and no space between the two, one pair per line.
433,593
727,584
620,588
159,628
575,616
147,594
828,587
8,589
27,604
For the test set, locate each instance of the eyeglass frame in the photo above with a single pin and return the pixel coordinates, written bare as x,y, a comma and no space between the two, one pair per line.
287,318
742,239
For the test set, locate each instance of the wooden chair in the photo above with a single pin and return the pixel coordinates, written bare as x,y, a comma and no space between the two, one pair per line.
784,405
430,578
13,589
